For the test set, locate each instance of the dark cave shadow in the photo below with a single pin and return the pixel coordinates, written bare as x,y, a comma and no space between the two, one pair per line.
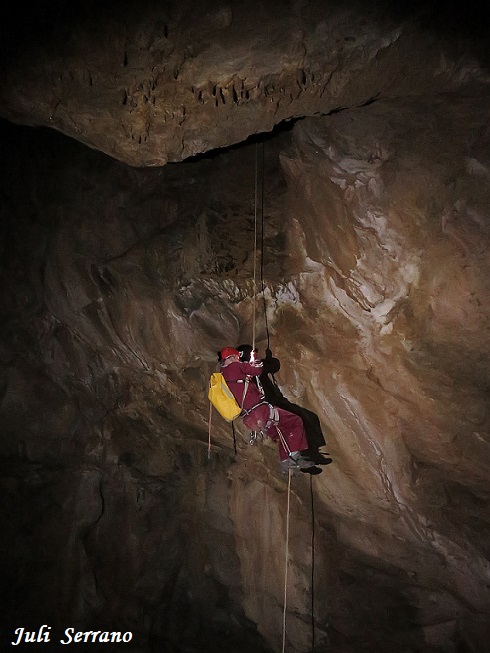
261,138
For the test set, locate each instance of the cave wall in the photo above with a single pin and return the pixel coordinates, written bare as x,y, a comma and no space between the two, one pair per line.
114,518
119,284
392,305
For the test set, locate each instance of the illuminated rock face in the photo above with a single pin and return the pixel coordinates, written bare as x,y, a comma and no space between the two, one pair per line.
158,82
121,284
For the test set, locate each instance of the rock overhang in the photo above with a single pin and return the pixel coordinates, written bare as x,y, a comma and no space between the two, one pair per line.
166,81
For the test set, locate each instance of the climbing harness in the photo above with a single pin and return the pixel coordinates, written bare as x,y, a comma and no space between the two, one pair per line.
255,437
249,411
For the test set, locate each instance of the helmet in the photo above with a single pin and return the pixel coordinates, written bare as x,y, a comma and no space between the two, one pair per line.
229,351
245,352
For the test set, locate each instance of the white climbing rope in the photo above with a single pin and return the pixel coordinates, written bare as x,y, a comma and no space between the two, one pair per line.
255,243
286,567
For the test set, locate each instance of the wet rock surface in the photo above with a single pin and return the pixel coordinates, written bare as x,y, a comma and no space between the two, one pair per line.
120,284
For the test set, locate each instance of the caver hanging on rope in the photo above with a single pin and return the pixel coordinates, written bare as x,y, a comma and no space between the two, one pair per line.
269,387
258,415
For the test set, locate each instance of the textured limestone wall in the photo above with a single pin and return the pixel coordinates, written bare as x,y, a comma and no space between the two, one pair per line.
119,284
162,81
391,298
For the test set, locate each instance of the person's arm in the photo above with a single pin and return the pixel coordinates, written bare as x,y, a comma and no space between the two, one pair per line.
252,369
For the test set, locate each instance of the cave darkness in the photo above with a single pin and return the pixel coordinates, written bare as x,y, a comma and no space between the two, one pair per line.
148,150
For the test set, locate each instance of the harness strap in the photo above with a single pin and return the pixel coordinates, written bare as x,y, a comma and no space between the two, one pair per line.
247,411
247,383
284,442
259,385
274,417
274,413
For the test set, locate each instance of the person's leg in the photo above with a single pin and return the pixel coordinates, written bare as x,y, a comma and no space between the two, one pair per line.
293,432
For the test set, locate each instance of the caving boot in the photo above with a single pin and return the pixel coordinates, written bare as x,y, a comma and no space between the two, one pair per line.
297,461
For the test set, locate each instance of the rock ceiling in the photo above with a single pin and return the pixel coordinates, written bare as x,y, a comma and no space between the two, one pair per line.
128,263
158,82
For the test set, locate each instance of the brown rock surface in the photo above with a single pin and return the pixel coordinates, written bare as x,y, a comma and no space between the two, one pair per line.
153,82
119,285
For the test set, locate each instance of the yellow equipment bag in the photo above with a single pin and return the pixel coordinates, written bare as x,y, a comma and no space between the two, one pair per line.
222,398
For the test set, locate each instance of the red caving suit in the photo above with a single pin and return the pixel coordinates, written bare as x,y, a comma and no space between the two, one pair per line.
264,417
